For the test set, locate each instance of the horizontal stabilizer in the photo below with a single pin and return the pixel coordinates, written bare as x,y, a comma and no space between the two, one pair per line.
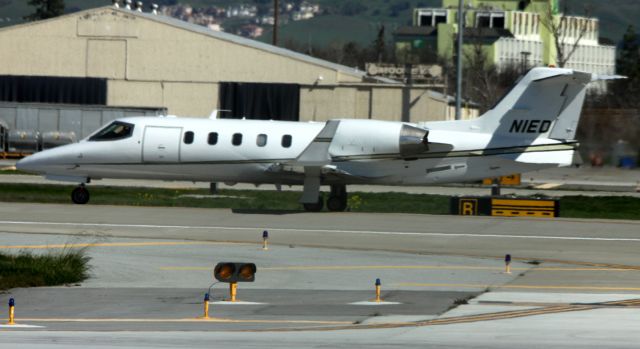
598,77
561,158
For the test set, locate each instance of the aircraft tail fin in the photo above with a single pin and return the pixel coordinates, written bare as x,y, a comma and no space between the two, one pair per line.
545,102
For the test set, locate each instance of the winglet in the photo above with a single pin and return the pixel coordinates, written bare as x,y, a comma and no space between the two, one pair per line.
317,152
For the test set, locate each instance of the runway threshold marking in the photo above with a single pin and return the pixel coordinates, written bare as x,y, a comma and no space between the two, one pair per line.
353,232
383,267
115,244
542,287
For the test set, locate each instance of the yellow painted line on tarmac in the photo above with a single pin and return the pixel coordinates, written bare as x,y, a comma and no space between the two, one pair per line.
383,267
540,287
199,319
114,244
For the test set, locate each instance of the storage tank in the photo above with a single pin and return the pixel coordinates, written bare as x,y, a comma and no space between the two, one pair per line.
23,141
54,139
4,128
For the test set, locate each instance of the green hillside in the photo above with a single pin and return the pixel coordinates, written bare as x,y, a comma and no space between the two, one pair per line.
357,20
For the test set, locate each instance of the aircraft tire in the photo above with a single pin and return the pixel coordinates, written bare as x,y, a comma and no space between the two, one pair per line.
337,203
80,195
314,207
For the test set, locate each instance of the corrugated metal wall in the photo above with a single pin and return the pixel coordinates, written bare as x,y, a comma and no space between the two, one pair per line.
80,119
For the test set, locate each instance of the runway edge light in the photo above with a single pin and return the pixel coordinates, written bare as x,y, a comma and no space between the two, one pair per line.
507,264
206,305
265,238
12,306
378,286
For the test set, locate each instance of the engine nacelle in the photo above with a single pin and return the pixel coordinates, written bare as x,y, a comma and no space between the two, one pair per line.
376,137
413,140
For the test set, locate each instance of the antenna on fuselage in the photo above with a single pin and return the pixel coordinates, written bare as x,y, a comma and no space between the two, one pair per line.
214,113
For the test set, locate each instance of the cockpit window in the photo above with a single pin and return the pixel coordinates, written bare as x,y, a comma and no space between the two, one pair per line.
114,131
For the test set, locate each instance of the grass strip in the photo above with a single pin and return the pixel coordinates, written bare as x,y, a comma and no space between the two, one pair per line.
603,207
26,269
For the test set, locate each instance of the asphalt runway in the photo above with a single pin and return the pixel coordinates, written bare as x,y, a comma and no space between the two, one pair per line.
575,283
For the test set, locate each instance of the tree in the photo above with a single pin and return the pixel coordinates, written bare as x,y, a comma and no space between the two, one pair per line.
628,64
378,46
561,26
481,75
45,9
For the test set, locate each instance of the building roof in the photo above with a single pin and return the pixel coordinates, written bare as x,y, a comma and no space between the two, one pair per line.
250,43
451,100
608,42
415,30
487,33
226,37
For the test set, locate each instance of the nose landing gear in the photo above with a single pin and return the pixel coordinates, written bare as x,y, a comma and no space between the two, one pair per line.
80,195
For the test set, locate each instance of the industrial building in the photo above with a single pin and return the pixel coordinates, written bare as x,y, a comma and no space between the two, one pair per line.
511,32
127,59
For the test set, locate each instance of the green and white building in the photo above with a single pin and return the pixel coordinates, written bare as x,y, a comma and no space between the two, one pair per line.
510,32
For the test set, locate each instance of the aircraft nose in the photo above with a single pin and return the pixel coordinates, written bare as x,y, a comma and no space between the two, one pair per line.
31,163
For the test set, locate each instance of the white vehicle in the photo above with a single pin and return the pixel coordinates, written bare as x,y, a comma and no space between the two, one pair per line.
531,128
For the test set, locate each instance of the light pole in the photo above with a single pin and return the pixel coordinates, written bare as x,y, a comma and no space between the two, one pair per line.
459,60
276,9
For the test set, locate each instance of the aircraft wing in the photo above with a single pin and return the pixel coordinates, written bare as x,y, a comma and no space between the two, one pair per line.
326,170
317,152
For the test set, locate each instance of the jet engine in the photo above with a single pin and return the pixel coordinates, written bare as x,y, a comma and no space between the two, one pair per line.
413,140
372,137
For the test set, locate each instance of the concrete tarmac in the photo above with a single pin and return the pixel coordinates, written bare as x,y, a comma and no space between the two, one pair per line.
555,182
575,283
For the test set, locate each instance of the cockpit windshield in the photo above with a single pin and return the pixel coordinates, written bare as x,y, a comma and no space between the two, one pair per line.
114,131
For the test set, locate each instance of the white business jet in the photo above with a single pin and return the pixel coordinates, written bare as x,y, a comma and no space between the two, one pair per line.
531,128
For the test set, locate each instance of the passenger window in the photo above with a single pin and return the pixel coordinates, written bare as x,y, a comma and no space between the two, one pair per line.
286,141
261,141
213,138
237,139
188,137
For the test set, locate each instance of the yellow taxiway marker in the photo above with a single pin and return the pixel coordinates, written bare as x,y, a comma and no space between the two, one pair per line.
346,325
117,244
198,319
383,267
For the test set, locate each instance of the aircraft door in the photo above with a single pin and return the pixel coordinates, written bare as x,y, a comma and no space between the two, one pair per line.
161,144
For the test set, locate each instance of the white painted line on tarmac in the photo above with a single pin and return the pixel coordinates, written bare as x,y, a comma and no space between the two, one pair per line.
374,303
20,326
235,303
354,232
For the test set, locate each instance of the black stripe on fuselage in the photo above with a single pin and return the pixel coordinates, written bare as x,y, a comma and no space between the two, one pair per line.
389,156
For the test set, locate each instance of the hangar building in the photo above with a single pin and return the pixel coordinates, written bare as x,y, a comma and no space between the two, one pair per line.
120,58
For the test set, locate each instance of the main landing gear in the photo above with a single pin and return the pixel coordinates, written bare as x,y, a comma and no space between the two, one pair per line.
80,195
336,202
315,206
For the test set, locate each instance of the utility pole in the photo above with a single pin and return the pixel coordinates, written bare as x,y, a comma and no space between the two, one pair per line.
276,9
459,60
